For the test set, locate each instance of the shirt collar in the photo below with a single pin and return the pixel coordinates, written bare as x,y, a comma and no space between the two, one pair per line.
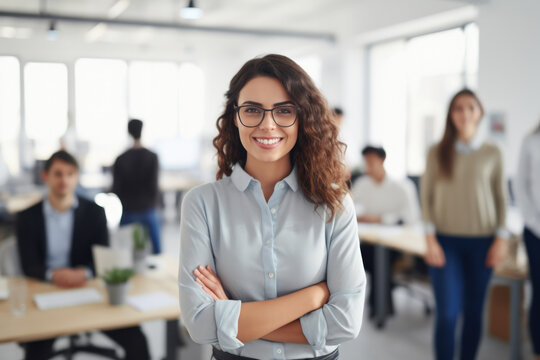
48,208
468,147
292,179
241,179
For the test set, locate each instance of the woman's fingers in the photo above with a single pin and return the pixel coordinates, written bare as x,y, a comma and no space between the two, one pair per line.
207,290
211,271
212,285
210,275
207,278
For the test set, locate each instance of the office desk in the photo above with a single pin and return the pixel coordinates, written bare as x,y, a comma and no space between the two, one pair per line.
41,324
19,202
411,240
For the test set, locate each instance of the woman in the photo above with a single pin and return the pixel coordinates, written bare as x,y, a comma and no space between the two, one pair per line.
464,208
528,198
270,266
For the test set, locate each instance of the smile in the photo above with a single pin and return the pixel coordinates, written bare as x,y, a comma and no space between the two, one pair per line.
268,141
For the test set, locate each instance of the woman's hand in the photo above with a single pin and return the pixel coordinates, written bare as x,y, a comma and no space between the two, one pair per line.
496,253
210,283
434,254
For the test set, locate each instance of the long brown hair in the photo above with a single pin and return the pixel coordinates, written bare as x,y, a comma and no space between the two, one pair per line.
445,150
317,153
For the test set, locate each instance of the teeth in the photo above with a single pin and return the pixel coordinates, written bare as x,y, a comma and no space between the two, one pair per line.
267,141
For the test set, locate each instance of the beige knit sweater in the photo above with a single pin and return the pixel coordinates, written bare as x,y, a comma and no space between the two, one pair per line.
473,201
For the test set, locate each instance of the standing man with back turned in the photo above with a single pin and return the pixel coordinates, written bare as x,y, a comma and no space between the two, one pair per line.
135,181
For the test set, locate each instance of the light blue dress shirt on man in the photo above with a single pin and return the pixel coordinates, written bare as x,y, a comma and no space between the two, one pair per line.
262,251
59,233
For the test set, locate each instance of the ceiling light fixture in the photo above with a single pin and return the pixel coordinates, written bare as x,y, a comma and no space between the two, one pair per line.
52,33
191,12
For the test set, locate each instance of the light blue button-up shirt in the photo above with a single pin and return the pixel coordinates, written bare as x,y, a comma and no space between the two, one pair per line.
59,231
262,251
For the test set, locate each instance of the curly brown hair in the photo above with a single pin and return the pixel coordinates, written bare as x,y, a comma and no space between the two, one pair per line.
317,153
445,148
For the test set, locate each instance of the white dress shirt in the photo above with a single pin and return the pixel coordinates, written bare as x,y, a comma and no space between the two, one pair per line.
392,200
527,185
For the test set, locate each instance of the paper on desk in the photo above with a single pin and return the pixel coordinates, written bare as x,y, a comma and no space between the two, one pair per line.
383,231
67,298
4,290
152,301
106,258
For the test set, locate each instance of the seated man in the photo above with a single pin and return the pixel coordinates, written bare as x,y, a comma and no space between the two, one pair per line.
55,238
380,199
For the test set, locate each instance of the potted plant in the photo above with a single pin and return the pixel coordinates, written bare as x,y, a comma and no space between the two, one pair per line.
117,284
140,237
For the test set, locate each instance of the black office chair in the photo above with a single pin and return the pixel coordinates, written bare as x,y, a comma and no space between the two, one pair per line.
87,347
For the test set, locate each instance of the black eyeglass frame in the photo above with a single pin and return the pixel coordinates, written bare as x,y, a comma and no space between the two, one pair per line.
237,111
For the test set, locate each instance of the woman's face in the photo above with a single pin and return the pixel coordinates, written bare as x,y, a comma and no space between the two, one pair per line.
466,114
267,142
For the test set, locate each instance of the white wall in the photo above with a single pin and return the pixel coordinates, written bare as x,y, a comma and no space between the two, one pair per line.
509,71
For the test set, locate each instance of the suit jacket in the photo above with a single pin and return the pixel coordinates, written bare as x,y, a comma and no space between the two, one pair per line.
89,228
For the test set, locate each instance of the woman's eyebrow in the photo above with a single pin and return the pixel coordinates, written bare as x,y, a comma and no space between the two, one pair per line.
288,102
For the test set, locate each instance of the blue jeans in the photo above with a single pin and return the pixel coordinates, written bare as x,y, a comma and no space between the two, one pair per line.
532,242
460,289
149,219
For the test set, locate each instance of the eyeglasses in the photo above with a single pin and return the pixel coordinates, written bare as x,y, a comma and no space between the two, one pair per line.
252,115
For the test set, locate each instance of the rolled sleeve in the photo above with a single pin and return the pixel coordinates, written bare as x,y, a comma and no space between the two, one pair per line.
226,316
341,318
207,322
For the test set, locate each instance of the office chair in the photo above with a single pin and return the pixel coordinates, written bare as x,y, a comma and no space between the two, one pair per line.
10,266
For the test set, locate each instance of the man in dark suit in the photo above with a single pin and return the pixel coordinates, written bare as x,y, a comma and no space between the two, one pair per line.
55,239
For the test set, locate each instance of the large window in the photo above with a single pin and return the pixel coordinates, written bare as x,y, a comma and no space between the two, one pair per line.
46,106
153,98
10,115
411,83
166,96
101,108
191,100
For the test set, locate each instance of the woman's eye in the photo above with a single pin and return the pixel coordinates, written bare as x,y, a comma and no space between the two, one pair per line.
252,110
284,111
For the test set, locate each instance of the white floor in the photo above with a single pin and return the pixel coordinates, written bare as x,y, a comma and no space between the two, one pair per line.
407,336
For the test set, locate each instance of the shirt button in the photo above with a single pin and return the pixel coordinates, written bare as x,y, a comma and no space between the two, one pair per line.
271,275
267,242
278,351
273,210
281,186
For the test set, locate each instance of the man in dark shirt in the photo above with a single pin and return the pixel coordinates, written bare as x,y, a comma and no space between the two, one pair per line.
135,181
55,239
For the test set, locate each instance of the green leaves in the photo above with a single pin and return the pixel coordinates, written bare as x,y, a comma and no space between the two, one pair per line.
140,235
117,276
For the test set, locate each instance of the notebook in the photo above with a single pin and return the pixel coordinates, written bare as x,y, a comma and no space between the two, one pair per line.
67,298
152,301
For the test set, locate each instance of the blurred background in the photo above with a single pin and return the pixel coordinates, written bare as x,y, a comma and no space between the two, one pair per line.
72,73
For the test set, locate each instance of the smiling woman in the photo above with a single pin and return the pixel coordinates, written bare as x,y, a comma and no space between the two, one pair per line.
270,261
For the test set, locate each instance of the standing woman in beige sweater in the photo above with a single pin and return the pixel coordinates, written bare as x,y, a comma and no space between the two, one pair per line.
463,205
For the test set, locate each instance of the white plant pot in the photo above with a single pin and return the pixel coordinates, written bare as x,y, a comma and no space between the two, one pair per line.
117,293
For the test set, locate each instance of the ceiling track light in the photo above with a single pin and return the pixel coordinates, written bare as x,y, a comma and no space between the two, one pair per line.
191,11
52,32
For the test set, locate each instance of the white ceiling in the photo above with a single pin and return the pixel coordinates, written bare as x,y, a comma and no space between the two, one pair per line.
337,17
295,15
